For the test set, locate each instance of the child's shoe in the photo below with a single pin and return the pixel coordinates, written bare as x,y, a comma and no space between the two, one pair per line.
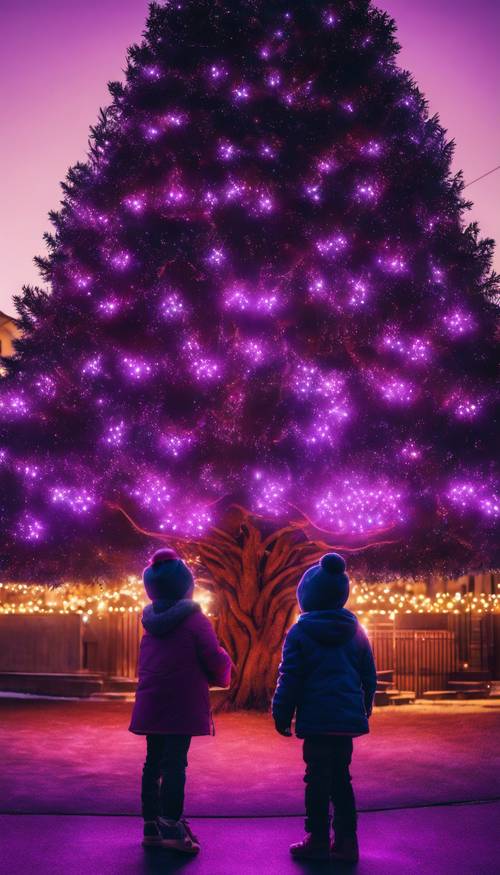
311,848
345,849
176,836
194,838
152,835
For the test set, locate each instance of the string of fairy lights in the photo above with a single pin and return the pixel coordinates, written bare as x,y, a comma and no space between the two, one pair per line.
94,602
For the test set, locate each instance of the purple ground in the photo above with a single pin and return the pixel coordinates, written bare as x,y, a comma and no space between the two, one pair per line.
77,757
460,840
64,761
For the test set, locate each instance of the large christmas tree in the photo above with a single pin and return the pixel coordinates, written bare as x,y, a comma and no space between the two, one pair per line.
268,329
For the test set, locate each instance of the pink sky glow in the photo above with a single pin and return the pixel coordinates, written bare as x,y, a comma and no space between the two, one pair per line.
57,57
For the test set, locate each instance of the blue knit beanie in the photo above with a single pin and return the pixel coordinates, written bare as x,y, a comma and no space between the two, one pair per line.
167,577
324,586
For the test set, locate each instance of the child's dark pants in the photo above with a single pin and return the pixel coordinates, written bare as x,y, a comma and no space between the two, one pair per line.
327,759
166,758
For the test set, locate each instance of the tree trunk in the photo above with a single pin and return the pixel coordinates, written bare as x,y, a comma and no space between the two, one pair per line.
253,581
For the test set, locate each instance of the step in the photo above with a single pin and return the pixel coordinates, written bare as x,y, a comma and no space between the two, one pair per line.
120,685
384,685
381,698
469,686
401,697
47,684
105,696
439,694
473,694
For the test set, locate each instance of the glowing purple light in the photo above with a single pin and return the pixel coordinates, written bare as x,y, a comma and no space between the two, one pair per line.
241,93
28,471
152,72
254,351
175,196
358,294
78,501
416,349
203,368
273,79
331,247
319,433
82,280
326,164
109,306
13,405
45,386
466,408
198,521
176,444
347,106
392,263
366,192
353,506
153,492
268,303
189,522
265,203
373,149
329,18
152,132
175,119
267,151
216,257
136,369
29,528
234,190
438,275
474,496
318,287
210,199
269,494
312,192
236,298
308,381
397,391
458,322
217,72
411,452
115,434
135,203
227,151
92,367
173,307
121,260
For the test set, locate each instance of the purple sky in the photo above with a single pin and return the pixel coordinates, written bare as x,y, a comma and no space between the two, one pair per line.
57,57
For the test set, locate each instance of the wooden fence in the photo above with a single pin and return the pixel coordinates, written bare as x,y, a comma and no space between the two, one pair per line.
420,660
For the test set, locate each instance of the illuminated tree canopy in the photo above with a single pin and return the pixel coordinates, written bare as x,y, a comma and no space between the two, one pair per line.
262,296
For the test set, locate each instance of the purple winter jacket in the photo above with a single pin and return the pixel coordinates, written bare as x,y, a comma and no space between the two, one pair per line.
179,657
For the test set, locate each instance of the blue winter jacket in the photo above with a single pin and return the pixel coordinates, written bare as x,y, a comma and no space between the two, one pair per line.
327,675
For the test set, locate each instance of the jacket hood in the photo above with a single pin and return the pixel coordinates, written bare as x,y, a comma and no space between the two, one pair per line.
329,627
160,618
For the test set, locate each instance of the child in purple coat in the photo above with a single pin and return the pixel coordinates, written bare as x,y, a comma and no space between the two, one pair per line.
179,658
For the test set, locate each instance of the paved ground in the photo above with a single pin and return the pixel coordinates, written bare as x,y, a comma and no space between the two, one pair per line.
458,840
62,761
77,757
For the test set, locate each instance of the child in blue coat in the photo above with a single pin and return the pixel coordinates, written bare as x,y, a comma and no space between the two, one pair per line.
327,679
